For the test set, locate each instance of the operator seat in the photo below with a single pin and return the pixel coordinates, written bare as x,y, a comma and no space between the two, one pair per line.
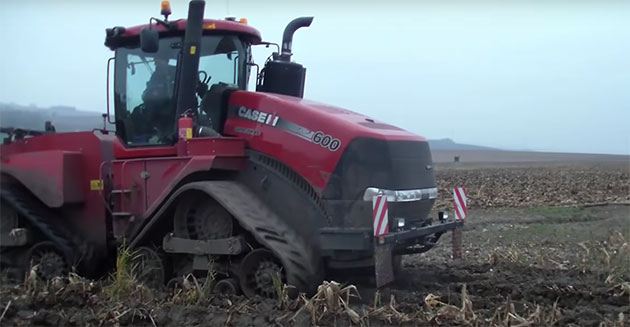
215,104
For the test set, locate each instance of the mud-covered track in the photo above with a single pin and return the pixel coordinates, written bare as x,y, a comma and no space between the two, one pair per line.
41,219
302,264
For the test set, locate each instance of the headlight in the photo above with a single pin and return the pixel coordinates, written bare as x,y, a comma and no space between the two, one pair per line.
400,222
401,195
442,215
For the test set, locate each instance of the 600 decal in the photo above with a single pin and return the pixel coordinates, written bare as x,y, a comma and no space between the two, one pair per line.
326,141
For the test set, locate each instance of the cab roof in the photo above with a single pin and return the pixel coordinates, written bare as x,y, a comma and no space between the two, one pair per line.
125,35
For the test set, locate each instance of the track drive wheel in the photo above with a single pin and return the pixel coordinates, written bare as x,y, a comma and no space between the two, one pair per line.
46,260
148,268
259,268
200,217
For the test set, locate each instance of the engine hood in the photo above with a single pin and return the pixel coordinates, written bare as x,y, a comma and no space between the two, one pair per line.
315,113
308,136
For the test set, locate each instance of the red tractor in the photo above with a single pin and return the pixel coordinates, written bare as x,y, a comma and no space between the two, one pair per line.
199,173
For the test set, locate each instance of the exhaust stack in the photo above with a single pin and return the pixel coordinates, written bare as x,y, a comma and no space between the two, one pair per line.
287,36
280,75
188,77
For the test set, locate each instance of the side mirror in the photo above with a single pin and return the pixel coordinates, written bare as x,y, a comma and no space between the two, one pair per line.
149,40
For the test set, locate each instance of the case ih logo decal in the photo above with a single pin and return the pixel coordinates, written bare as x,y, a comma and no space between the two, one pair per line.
320,138
258,116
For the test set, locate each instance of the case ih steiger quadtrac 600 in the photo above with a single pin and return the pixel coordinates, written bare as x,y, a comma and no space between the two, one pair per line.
200,171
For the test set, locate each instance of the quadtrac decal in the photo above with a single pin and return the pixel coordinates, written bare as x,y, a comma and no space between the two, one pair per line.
320,138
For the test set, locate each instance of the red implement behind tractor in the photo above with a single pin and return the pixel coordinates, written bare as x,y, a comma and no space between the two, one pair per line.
199,173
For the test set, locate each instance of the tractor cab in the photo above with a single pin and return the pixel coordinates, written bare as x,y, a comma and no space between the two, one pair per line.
145,87
159,77
166,70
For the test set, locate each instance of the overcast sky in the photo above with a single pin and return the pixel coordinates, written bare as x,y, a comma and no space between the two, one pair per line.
536,75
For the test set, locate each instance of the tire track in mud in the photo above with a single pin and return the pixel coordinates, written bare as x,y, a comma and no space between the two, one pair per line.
507,263
581,298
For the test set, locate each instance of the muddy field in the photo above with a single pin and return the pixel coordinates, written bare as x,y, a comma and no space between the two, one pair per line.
532,257
565,265
517,184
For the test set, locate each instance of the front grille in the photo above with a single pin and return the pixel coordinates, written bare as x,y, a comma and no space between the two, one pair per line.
416,213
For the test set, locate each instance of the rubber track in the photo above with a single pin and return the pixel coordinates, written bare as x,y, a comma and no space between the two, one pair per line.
303,266
40,216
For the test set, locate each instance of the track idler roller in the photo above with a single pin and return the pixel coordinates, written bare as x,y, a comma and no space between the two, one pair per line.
228,286
260,274
147,267
46,261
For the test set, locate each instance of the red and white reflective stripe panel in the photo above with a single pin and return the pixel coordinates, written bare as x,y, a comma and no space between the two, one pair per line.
379,214
459,201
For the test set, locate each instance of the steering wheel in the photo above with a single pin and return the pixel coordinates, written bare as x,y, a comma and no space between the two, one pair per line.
202,86
206,78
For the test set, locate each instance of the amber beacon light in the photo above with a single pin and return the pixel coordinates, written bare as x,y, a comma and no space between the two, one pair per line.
165,8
